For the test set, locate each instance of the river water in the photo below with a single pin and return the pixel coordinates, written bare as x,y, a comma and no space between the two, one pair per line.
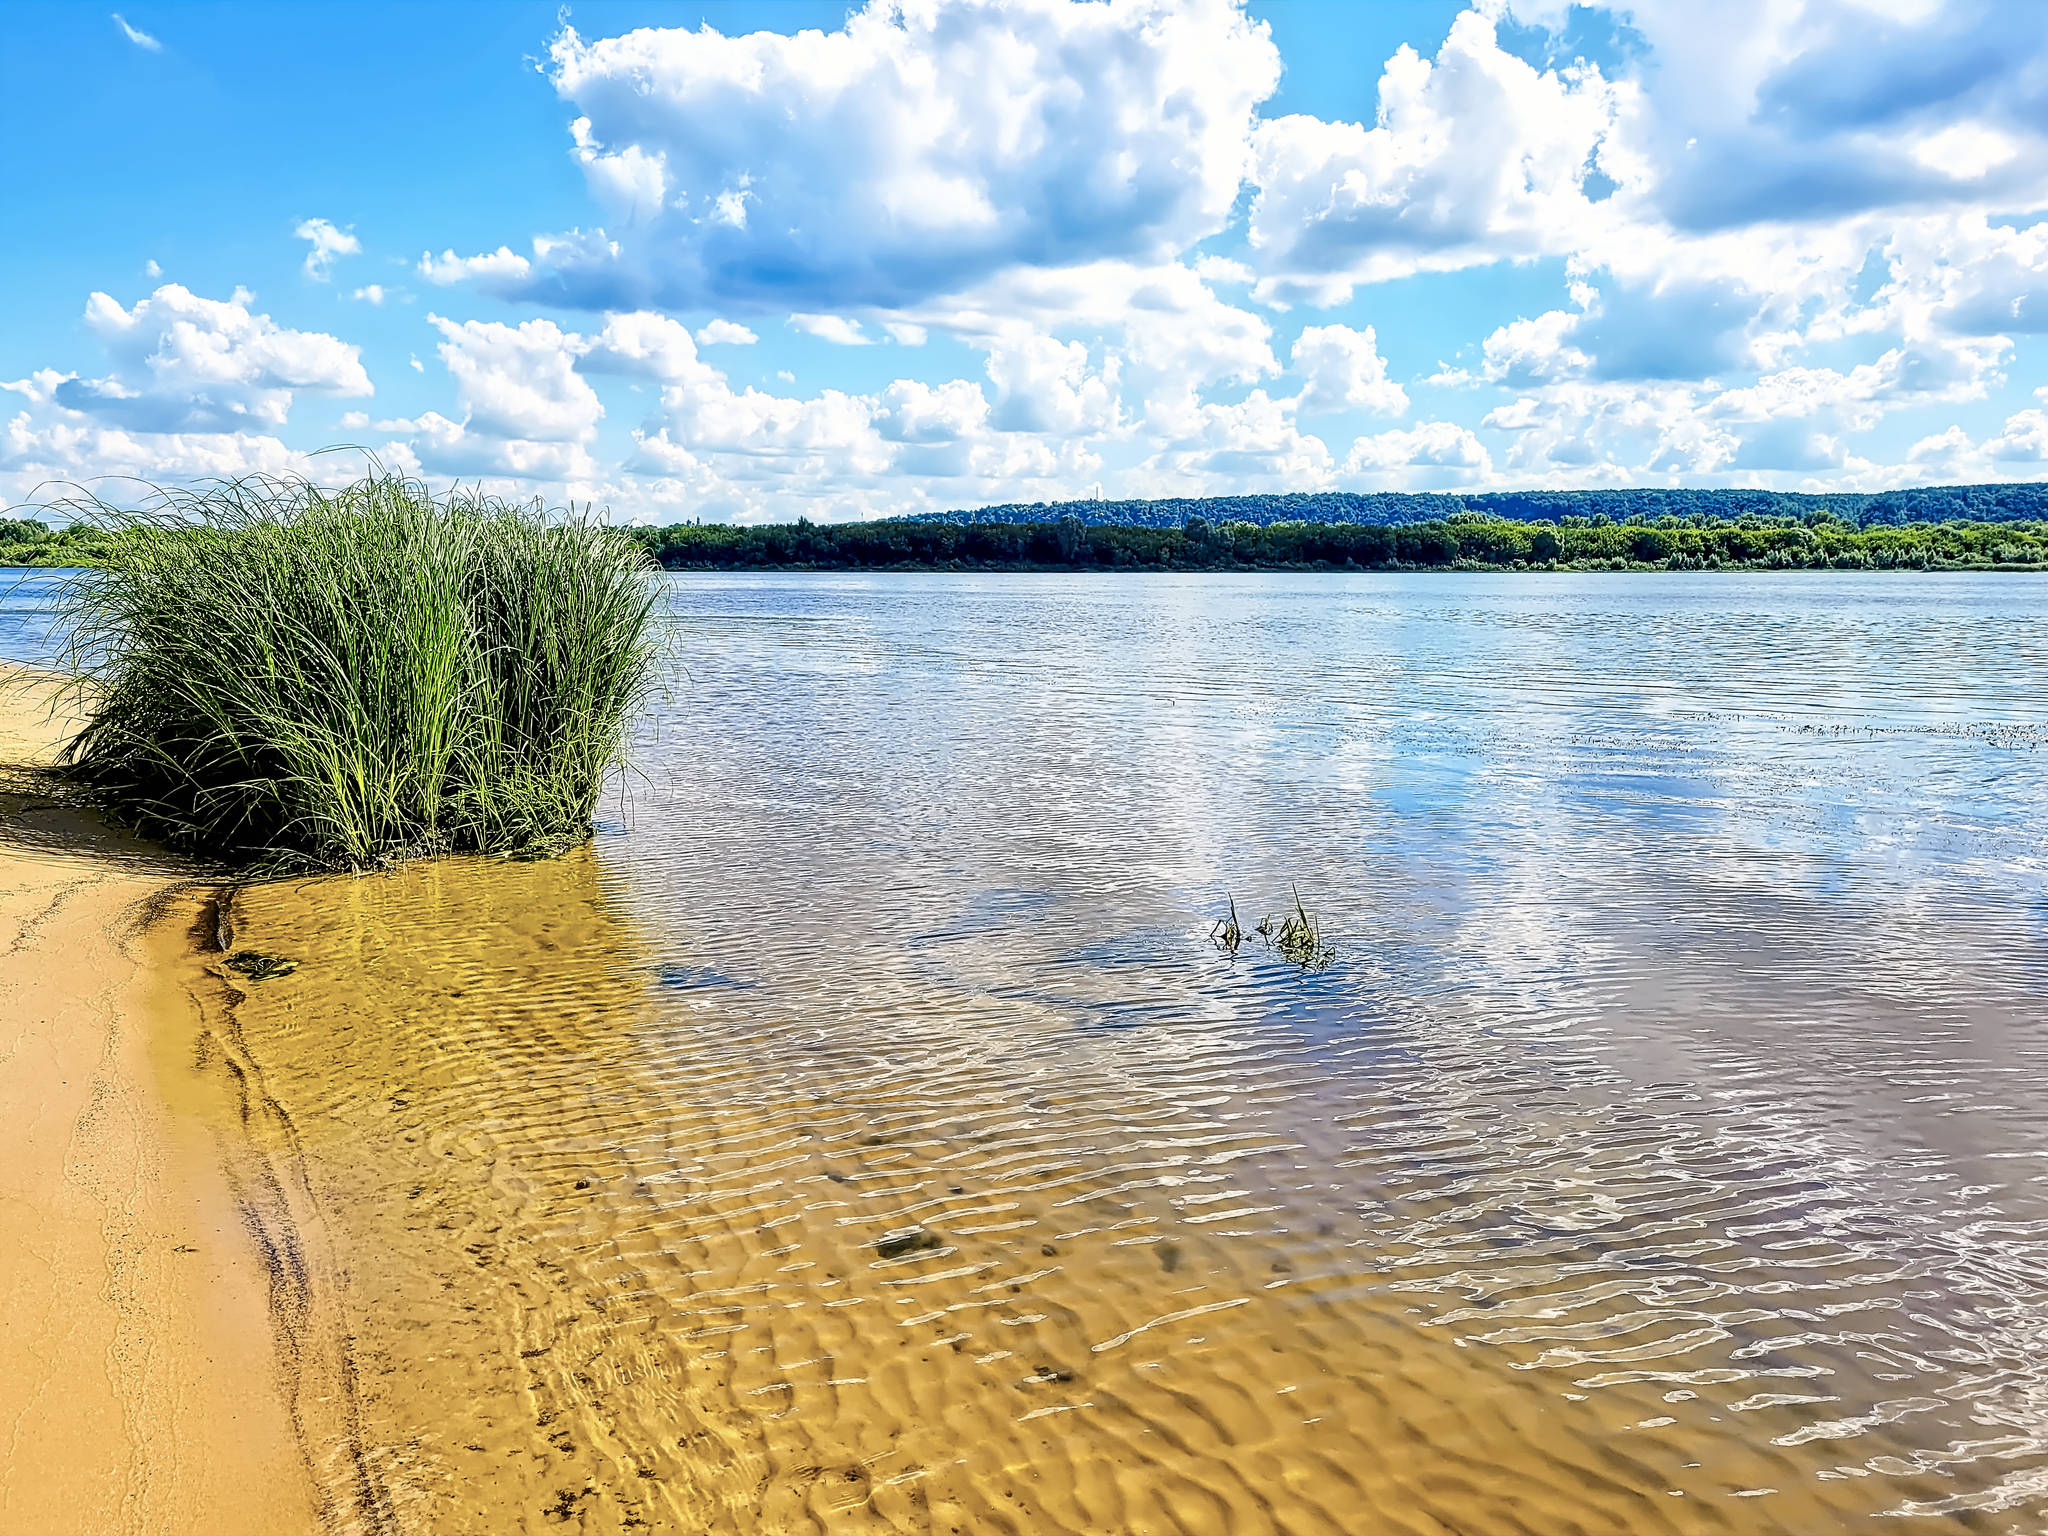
865,1132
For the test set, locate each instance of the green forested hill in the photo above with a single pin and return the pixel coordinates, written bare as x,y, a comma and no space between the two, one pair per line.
1938,504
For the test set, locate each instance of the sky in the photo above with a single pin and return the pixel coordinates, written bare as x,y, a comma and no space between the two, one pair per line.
756,261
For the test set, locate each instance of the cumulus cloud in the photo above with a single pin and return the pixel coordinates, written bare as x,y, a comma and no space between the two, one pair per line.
1045,385
182,363
194,388
1435,453
1475,157
837,329
369,293
502,265
923,147
643,345
1252,444
2024,439
519,382
726,333
329,244
527,418
910,411
1172,337
1343,371
42,459
1826,110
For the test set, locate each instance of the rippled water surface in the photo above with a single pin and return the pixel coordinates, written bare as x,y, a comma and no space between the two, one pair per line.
1663,1149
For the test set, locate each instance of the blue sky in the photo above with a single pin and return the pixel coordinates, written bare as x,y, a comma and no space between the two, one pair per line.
756,261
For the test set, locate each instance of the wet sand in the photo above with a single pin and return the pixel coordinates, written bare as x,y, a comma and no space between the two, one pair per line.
141,1383
603,1245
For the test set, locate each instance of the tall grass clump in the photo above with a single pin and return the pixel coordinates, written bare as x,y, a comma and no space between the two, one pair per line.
275,672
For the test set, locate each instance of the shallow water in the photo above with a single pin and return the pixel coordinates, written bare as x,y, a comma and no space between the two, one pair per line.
1662,1151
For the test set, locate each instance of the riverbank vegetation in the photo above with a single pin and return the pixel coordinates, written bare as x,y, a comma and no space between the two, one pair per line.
1463,540
28,542
1945,528
333,679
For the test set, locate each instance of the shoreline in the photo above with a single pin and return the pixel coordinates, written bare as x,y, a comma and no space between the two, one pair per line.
144,1386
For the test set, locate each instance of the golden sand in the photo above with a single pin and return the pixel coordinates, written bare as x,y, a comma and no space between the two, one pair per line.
139,1382
586,1249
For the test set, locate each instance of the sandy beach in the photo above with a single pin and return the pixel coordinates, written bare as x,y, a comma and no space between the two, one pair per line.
142,1389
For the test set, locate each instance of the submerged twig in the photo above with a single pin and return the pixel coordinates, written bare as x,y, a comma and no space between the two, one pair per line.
1224,932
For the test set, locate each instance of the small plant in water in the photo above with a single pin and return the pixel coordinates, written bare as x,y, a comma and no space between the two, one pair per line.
1296,936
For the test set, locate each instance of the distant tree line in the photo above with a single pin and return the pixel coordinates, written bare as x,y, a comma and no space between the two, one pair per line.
1942,504
1985,527
1465,540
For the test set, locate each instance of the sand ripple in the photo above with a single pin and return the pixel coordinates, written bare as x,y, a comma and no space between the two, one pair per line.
862,1136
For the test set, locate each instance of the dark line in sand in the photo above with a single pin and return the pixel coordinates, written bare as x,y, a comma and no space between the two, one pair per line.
267,1211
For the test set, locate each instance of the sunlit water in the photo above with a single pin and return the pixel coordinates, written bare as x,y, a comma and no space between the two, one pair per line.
1663,1149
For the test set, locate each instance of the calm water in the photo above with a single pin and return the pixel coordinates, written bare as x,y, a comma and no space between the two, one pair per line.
1665,1149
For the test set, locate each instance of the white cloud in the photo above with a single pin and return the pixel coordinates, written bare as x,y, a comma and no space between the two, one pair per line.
1817,112
519,382
643,345
633,184
906,334
370,293
1475,157
329,244
914,412
503,265
1045,385
922,148
1965,151
185,364
528,417
1343,371
136,36
41,460
1940,448
726,333
1252,445
836,329
151,269
1171,335
195,389
2024,439
1433,454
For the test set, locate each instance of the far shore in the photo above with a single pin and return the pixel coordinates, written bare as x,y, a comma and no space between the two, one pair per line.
142,1382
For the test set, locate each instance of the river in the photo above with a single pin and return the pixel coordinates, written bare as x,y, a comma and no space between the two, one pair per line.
867,1132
